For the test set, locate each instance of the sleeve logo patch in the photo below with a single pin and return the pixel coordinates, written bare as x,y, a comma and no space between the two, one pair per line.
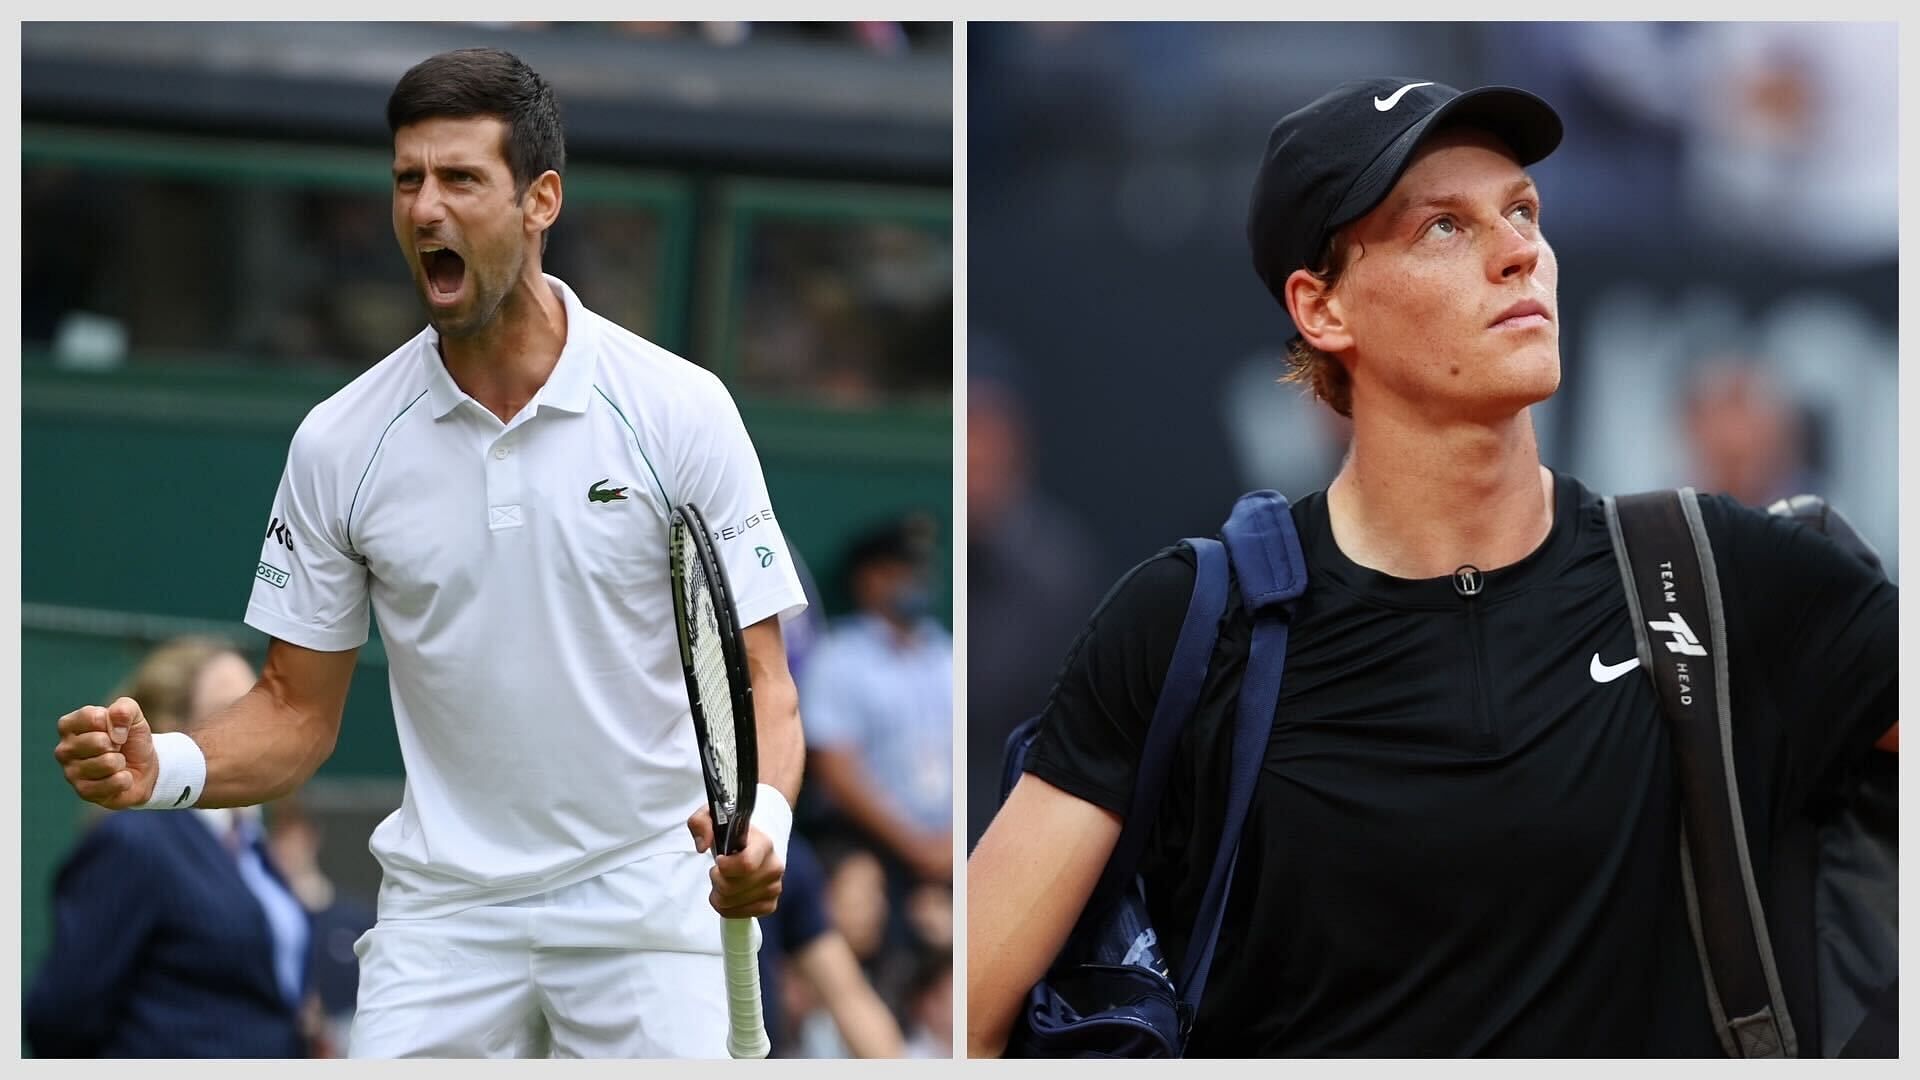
271,574
766,556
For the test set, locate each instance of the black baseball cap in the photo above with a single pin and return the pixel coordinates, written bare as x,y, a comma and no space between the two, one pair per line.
1335,159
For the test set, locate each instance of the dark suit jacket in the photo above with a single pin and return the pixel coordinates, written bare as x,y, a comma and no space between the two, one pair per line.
159,950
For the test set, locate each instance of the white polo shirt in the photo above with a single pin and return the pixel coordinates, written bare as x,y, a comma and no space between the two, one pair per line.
519,573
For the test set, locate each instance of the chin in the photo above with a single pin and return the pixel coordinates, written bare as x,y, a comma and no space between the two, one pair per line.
1533,374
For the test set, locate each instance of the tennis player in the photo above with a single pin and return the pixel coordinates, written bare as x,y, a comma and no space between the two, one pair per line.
1462,837
497,492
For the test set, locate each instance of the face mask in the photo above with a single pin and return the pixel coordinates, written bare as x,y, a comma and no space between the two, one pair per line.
910,602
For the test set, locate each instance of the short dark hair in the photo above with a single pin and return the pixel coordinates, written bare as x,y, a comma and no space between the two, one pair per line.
487,82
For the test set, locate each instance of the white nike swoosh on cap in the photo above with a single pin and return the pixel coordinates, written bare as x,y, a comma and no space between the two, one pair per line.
1606,673
1394,98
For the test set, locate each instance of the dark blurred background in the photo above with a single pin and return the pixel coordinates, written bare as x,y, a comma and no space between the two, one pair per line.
1724,208
207,253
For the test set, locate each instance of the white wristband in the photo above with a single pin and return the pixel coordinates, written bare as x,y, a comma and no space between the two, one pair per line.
772,815
181,772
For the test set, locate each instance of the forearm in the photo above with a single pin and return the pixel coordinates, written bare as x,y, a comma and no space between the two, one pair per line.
780,742
261,748
782,745
863,1019
1027,882
858,796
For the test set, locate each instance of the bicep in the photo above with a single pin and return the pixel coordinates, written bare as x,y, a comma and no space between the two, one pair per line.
767,658
309,682
1027,882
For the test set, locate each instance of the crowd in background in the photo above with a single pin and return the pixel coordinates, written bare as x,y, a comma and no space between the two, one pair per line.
282,254
851,312
876,701
874,36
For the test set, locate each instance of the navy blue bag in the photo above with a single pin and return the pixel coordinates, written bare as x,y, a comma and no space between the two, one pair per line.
1110,992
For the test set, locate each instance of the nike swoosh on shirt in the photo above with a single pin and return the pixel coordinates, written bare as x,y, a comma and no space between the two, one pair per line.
1606,673
1394,98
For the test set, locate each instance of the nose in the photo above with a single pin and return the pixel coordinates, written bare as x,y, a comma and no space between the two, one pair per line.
1515,253
426,207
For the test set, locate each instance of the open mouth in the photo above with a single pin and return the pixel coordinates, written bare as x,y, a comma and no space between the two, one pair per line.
446,272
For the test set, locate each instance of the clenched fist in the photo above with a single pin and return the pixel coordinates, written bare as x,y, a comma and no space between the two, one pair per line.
746,883
107,754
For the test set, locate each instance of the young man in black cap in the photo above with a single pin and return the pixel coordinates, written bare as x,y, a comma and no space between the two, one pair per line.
1462,838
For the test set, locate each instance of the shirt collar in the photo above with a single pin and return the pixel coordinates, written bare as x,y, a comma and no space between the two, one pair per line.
568,386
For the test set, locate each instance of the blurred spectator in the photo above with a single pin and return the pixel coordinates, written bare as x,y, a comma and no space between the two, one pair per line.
802,941
1745,435
1030,585
174,933
848,312
930,1006
294,839
929,911
886,38
877,700
859,912
857,902
1621,90
1795,157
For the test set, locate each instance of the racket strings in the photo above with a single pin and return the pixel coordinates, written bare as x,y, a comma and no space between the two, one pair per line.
716,690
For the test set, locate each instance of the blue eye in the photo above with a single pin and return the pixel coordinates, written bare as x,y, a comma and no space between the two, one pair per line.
1444,226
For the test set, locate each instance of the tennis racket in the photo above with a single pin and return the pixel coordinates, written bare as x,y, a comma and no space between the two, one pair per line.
714,658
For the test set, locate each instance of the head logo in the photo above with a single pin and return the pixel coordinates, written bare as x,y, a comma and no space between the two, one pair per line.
1684,642
596,493
766,556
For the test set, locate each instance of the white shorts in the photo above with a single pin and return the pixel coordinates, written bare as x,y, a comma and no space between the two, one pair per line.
602,968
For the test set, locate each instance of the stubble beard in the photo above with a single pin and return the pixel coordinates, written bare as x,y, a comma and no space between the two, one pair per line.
479,319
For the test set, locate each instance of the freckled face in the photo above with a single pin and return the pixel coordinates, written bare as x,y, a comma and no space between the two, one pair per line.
1451,296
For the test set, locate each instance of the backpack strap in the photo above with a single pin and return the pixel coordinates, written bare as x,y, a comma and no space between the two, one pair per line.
1265,551
1179,693
1673,589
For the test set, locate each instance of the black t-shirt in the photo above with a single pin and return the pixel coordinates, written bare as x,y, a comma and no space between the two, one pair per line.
1461,841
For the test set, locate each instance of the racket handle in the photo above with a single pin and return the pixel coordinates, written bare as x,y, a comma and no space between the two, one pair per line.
748,1037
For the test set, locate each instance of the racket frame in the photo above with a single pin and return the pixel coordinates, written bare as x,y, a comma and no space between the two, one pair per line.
689,529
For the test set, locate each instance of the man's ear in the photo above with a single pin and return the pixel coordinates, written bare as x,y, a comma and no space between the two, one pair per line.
542,202
1317,313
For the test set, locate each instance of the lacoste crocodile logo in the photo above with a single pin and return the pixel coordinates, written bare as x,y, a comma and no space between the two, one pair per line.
596,493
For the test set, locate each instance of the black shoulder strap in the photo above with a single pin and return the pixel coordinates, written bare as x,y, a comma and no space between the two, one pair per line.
1673,595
